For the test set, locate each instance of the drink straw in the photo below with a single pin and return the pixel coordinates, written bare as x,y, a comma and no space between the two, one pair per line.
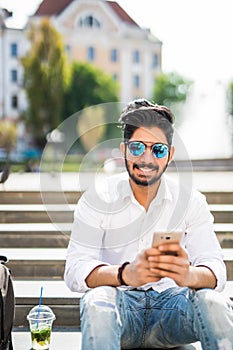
40,302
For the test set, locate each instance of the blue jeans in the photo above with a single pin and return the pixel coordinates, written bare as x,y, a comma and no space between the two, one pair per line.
112,319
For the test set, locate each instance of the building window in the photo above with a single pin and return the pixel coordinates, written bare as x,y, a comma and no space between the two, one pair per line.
155,61
136,81
14,101
68,50
89,22
14,50
14,76
91,53
114,55
115,77
136,56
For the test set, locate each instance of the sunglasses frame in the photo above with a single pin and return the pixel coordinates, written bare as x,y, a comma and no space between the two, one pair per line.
151,148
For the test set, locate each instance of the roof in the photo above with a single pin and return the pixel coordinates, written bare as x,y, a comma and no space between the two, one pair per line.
121,13
54,8
51,7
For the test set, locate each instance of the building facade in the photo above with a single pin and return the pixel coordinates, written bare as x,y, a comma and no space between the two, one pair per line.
96,31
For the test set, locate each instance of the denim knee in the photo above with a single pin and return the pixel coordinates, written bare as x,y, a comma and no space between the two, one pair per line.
99,301
218,310
214,302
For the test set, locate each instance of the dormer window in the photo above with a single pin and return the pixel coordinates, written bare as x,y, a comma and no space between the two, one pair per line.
89,21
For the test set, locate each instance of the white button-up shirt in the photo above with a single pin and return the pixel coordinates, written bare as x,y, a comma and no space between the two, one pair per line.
111,227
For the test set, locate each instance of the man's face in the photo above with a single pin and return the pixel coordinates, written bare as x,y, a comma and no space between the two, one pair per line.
146,169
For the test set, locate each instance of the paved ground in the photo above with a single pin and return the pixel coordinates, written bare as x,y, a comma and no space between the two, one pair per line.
59,340
67,341
204,181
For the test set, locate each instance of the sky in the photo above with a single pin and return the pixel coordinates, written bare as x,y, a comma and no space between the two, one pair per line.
196,34
197,44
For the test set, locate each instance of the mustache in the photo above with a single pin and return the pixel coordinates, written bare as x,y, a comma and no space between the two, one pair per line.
143,165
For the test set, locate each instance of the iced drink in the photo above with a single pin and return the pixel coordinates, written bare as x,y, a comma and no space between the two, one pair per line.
40,321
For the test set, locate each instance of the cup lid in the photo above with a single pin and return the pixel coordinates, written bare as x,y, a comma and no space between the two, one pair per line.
41,312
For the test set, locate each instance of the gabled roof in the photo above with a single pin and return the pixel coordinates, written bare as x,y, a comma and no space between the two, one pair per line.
121,13
54,8
51,7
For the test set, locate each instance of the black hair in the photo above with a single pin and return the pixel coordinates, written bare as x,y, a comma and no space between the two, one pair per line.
142,113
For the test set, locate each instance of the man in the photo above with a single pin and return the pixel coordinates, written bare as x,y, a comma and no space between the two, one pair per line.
138,295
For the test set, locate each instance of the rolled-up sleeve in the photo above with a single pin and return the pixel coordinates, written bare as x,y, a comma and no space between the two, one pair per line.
201,241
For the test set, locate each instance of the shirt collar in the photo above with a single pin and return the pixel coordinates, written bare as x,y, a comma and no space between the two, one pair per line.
124,189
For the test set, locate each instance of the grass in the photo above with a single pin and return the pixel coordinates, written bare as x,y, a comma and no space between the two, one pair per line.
72,163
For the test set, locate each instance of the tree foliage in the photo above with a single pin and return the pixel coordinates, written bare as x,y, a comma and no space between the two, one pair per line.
171,90
8,135
44,80
88,86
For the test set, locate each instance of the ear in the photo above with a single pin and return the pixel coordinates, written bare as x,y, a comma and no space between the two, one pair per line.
172,150
122,149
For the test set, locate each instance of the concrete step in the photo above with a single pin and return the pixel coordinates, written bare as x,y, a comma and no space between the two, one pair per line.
224,234
219,197
65,304
48,235
56,197
43,235
222,212
34,263
33,213
60,340
36,197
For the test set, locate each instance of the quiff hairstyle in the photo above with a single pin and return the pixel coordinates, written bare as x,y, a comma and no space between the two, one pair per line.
142,113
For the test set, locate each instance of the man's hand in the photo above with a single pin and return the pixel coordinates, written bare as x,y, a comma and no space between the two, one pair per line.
172,262
139,271
151,265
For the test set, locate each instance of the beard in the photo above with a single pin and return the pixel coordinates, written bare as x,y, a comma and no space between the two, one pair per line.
145,182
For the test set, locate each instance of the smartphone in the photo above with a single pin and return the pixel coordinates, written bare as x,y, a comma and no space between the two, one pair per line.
163,237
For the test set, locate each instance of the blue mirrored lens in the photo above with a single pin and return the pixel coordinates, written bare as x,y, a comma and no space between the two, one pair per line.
136,148
160,150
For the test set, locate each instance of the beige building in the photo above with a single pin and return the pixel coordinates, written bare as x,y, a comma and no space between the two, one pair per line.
97,31
102,33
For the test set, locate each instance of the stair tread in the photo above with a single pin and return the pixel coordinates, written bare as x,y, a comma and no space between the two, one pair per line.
221,207
34,253
58,289
36,207
68,207
20,227
51,289
59,340
60,253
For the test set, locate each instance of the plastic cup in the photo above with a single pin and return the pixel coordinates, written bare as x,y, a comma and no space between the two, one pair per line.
40,321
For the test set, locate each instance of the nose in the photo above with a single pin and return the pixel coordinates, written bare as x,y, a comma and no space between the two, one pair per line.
147,156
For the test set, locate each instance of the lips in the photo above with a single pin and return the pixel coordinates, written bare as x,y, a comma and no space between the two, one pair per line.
145,167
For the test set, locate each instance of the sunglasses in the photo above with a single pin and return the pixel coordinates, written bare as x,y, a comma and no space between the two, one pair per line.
137,148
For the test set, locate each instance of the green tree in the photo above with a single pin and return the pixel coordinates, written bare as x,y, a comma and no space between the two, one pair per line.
44,80
90,86
8,136
171,90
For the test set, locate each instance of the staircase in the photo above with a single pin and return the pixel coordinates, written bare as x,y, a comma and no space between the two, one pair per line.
36,249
